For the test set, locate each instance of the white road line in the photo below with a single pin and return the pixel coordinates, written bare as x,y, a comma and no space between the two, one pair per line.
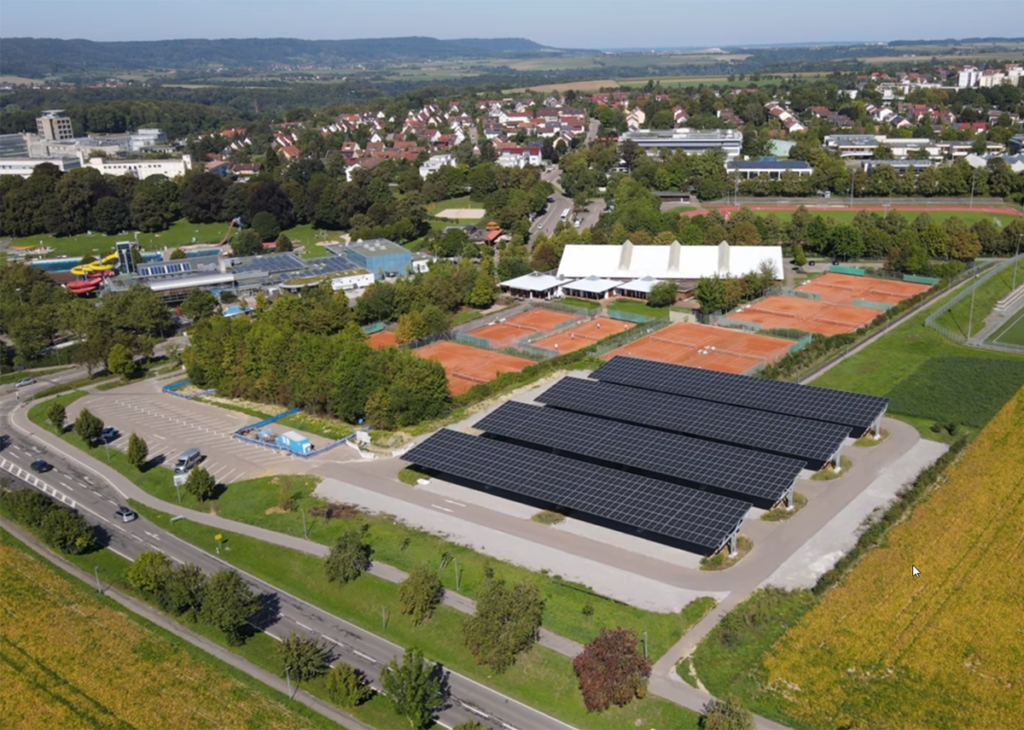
364,656
65,485
272,636
136,537
118,552
333,641
104,519
436,506
457,504
304,626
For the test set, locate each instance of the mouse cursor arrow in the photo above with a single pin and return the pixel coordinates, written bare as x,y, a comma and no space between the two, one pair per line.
916,571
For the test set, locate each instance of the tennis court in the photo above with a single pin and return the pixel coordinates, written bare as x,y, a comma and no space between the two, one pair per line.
583,335
506,332
844,288
467,366
806,315
703,346
380,340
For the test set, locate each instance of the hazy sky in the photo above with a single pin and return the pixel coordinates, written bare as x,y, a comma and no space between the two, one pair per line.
561,23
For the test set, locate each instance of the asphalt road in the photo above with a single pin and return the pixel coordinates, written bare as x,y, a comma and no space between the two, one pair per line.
282,613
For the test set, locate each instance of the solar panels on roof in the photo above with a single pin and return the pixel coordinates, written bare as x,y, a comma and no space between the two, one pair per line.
813,441
271,263
743,473
857,411
701,519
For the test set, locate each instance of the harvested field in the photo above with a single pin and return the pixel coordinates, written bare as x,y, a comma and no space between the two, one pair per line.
467,366
844,288
583,335
70,661
806,315
944,649
712,348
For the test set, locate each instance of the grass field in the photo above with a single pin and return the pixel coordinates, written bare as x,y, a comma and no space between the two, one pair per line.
898,356
1011,333
540,677
943,650
72,659
637,307
959,317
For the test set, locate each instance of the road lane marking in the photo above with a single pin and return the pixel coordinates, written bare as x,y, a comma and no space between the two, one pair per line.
307,628
273,636
118,552
364,656
458,504
437,506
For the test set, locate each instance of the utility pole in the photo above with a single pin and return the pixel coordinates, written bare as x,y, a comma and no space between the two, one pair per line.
974,176
645,645
1016,262
288,679
96,572
970,318
851,187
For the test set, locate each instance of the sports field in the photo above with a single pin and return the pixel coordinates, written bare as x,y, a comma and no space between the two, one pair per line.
583,335
806,315
844,288
940,650
713,348
1011,333
507,332
71,660
467,366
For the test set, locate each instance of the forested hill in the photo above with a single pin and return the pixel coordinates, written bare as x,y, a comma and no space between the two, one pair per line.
36,57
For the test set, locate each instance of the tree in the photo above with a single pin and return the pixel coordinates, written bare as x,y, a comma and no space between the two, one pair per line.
155,203
198,304
202,198
201,484
303,657
228,604
799,257
745,234
964,246
420,593
726,714
612,670
120,361
346,686
844,242
57,416
67,531
266,226
483,291
283,244
110,215
88,427
505,623
711,295
413,687
138,451
183,591
663,294
348,558
27,506
178,254
149,572
247,243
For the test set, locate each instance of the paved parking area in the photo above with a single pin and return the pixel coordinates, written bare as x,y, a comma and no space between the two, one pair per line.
170,425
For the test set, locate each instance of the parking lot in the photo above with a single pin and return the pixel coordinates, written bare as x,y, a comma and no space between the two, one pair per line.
170,425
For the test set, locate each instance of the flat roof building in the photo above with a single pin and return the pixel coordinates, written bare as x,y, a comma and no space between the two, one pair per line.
379,256
54,125
536,285
773,168
690,141
23,166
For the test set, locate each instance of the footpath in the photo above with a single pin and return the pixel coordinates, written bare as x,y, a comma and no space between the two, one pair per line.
664,684
171,626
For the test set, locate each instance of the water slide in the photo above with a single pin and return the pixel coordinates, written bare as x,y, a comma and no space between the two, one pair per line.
104,265
234,222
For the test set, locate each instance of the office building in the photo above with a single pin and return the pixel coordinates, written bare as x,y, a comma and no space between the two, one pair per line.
690,141
53,125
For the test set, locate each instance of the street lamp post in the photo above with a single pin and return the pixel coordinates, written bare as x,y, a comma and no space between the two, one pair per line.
851,187
96,572
974,177
1016,263
288,679
970,317
645,645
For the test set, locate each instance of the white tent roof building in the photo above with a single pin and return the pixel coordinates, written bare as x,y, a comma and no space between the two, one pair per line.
673,262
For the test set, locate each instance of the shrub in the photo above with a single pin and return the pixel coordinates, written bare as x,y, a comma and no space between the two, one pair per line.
67,531
304,658
612,670
88,427
347,687
348,558
28,507
420,593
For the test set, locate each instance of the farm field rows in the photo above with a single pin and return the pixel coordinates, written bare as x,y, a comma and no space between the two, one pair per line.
70,659
943,650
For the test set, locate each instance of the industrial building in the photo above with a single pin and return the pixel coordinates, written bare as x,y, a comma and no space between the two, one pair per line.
690,141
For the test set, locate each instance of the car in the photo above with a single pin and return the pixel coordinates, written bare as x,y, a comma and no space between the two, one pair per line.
24,381
39,466
540,226
125,514
108,434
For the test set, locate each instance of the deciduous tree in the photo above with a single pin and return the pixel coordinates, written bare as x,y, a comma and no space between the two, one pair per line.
304,657
612,670
149,572
88,427
67,531
120,361
349,557
505,623
726,714
663,294
201,484
414,688
228,604
183,591
57,416
198,304
138,451
420,593
347,687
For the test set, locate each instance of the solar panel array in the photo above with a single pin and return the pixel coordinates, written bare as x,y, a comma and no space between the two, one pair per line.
271,263
330,264
743,472
801,438
699,518
805,401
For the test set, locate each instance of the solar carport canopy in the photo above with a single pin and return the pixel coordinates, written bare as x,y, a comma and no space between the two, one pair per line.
800,438
699,518
858,411
744,473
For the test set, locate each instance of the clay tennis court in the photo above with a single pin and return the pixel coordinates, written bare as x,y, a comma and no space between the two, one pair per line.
844,288
583,335
467,366
380,340
703,346
806,315
510,331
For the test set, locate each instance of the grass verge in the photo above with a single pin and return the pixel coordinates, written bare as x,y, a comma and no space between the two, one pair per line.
780,514
722,560
548,517
828,473
867,440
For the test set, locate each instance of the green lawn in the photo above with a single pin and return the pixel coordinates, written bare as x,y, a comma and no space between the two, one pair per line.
180,233
466,315
638,307
1011,333
540,678
588,304
960,319
897,357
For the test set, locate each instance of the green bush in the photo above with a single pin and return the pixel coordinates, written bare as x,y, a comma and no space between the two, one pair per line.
27,507
67,531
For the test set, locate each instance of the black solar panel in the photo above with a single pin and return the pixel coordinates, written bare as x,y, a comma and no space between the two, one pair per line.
699,518
272,263
801,438
806,401
744,473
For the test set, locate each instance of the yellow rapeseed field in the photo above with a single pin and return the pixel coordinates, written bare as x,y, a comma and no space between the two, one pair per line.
945,649
67,661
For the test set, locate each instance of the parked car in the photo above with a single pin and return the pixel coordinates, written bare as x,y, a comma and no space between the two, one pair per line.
39,466
124,514
24,381
108,434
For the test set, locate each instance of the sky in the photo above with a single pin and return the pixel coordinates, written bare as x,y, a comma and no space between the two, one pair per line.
596,24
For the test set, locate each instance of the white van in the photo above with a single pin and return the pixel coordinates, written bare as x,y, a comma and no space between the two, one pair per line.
188,459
